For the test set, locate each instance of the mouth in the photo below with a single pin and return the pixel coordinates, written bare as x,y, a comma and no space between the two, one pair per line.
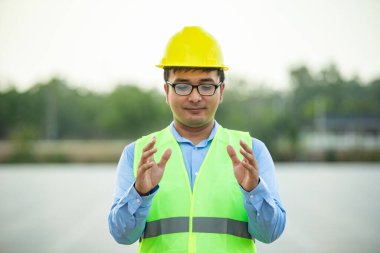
198,109
195,108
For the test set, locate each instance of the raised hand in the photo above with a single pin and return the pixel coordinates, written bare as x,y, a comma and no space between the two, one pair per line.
246,171
149,173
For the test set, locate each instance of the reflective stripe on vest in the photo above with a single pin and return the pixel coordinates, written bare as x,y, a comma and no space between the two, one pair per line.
166,226
200,225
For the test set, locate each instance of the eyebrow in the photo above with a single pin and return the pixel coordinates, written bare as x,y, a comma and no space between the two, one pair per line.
187,80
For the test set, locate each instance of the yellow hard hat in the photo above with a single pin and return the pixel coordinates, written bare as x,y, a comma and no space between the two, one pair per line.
193,47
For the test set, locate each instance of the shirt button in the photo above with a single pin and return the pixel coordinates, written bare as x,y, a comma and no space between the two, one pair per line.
251,196
138,200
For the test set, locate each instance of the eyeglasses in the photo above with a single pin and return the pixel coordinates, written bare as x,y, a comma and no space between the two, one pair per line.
184,89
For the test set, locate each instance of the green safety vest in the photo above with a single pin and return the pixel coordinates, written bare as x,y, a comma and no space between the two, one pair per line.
212,217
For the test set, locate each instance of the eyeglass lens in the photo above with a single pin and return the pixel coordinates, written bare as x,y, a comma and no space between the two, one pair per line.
186,89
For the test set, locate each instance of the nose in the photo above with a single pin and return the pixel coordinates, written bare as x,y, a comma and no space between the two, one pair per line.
194,96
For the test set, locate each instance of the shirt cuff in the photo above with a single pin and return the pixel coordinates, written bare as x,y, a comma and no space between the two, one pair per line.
135,201
256,197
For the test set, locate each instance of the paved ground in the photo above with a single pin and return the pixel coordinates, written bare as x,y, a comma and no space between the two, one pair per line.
64,208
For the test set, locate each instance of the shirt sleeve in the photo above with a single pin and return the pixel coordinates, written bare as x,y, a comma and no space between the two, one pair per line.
266,214
129,210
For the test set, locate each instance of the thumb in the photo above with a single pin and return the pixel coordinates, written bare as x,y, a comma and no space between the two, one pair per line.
231,152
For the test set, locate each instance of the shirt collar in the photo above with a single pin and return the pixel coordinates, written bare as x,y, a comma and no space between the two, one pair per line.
202,143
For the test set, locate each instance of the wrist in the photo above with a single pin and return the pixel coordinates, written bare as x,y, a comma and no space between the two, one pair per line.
139,191
249,188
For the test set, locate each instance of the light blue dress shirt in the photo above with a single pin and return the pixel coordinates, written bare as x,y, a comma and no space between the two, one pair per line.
266,215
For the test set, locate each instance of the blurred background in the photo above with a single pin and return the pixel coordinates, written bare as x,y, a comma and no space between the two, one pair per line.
78,83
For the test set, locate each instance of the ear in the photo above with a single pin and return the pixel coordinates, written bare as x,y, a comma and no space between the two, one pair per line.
221,93
166,88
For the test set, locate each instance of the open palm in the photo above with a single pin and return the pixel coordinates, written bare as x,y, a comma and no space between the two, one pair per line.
149,173
246,171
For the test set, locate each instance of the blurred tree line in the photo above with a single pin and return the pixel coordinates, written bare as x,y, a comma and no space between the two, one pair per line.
55,111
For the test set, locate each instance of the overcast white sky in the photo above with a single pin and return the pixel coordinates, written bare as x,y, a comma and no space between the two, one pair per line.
97,44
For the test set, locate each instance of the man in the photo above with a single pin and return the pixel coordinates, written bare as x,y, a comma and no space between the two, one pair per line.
196,186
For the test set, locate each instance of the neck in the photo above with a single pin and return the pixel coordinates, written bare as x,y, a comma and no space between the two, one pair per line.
194,134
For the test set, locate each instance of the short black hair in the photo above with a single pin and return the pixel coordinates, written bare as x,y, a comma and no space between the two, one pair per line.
220,71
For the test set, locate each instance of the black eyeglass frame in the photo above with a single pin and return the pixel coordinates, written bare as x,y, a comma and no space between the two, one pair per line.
194,86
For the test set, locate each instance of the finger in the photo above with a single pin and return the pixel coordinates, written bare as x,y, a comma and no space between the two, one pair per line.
150,144
245,147
164,158
249,151
145,167
248,156
231,152
147,156
148,147
248,166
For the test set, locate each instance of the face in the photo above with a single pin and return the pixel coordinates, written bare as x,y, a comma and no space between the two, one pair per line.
193,110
